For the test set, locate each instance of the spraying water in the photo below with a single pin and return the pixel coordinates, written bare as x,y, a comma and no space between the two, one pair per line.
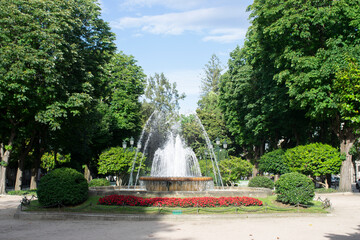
175,160
167,152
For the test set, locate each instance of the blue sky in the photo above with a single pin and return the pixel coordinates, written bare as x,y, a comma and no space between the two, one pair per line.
177,37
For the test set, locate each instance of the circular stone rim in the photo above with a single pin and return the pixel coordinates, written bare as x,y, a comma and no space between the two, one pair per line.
176,179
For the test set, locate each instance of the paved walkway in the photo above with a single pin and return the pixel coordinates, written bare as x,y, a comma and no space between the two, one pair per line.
342,224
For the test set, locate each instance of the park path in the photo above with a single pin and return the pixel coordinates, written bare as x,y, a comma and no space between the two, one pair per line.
343,223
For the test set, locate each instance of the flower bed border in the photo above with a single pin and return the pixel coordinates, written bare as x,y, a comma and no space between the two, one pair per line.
128,200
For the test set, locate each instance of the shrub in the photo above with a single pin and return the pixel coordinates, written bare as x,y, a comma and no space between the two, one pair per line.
98,182
233,169
62,186
261,181
294,188
314,159
118,162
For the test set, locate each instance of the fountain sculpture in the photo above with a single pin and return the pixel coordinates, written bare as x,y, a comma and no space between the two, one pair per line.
174,166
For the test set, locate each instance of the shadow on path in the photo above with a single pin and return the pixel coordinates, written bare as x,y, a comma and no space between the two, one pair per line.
349,236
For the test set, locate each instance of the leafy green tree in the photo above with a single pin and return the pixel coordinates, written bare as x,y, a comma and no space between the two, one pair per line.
211,116
256,109
347,84
212,74
208,110
50,160
273,162
316,160
234,169
124,85
51,58
161,95
118,162
302,45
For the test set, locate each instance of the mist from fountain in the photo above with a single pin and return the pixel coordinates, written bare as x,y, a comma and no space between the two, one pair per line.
175,160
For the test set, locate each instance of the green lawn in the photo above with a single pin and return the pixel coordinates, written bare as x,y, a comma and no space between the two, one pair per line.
270,206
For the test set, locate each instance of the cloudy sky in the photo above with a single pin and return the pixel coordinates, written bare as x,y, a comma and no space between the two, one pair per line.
177,37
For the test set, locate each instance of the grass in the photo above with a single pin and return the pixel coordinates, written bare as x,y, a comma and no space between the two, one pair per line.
324,190
270,206
22,192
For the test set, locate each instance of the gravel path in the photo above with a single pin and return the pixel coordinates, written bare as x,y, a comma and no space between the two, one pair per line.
342,224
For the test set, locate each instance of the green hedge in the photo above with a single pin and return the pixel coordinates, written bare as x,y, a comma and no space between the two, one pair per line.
294,188
62,186
98,182
261,181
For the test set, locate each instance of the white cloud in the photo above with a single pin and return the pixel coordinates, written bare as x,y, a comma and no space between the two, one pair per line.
226,35
171,4
224,24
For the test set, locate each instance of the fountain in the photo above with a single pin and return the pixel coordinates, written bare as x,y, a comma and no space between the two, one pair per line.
168,167
174,166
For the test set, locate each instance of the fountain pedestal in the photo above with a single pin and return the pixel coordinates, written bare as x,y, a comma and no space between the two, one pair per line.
160,184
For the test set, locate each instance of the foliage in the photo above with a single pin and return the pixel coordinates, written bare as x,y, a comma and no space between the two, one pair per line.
261,181
62,186
122,200
295,188
233,169
52,57
314,159
161,95
273,162
302,45
98,182
50,160
256,108
211,79
347,83
118,161
124,86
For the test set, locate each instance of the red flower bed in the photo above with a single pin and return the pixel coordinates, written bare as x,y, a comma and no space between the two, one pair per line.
123,200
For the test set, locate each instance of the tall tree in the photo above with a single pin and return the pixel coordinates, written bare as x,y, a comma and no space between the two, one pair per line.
51,58
212,73
161,95
306,43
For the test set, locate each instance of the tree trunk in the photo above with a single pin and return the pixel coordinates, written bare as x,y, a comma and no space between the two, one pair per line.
19,174
87,173
39,151
26,148
118,180
347,138
326,183
35,172
4,158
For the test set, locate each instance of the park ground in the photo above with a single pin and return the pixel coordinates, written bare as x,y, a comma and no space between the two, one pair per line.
342,223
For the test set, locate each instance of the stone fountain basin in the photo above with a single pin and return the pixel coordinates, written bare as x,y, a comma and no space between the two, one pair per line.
160,184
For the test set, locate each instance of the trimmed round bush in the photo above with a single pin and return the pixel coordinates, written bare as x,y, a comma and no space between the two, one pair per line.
294,188
261,181
99,182
62,186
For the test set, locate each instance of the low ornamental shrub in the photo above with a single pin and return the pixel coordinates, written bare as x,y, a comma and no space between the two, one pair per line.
294,188
62,186
99,182
122,200
261,181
